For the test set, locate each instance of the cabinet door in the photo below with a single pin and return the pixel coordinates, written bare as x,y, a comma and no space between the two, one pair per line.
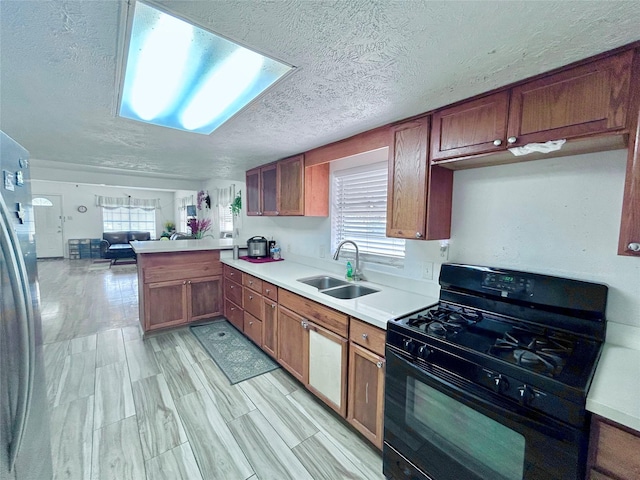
582,101
328,367
165,304
254,206
269,190
293,344
270,327
366,393
205,297
291,186
478,126
407,193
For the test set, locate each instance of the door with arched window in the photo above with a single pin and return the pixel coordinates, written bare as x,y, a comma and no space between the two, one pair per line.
47,212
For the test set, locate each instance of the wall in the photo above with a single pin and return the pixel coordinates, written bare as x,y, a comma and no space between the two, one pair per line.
558,216
89,224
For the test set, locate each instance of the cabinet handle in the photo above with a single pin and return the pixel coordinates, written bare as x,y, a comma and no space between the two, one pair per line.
230,286
250,297
267,290
184,283
277,213
250,323
273,305
634,247
379,364
511,140
365,336
233,308
305,325
497,142
250,282
189,282
418,235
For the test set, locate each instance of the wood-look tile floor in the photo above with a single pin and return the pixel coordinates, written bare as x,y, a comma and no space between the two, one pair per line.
123,407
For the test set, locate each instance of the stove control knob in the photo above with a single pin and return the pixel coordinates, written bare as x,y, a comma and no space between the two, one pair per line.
500,384
526,395
408,345
424,352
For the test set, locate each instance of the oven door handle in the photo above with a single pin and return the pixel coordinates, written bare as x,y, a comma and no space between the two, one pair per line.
475,397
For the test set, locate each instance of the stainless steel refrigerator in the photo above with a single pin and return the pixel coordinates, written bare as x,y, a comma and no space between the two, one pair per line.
24,414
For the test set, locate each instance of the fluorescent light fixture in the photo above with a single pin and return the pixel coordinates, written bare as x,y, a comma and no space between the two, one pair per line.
181,76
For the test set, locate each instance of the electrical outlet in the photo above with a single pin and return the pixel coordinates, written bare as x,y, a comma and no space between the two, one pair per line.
427,270
322,251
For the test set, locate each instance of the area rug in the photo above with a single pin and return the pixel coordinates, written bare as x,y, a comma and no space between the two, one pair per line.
238,358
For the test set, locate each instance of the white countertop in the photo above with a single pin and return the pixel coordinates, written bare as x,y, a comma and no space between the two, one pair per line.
376,308
167,246
615,390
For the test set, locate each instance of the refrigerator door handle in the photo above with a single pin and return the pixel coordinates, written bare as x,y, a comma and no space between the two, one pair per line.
22,295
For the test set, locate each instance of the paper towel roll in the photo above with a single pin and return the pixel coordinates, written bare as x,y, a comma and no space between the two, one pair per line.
546,147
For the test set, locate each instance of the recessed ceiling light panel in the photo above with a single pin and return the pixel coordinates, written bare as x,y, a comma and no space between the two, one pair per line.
181,76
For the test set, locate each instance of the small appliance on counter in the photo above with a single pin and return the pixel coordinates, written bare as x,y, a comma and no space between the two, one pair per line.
257,247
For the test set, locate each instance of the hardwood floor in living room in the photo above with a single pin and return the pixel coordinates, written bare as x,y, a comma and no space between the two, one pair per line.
126,407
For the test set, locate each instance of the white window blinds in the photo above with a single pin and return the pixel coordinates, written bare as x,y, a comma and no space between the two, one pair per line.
359,213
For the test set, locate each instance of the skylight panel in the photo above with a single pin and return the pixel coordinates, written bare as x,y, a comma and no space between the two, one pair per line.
181,76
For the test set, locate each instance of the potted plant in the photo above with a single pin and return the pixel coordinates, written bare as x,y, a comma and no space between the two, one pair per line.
199,228
236,205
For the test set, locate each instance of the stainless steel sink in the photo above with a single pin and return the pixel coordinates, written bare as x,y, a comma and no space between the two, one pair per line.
349,291
322,282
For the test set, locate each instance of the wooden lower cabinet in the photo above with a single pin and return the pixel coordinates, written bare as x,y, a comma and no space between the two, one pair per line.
270,327
253,328
613,451
234,314
366,393
293,344
178,288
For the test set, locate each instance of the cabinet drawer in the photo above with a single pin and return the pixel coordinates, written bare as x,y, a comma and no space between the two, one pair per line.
366,335
233,291
324,316
252,282
612,450
233,274
234,314
252,302
183,272
253,328
270,291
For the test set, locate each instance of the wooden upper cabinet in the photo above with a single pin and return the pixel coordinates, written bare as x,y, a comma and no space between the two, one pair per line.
254,184
291,186
586,100
408,182
419,195
269,190
474,127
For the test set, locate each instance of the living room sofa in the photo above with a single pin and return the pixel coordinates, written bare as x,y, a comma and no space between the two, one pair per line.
115,245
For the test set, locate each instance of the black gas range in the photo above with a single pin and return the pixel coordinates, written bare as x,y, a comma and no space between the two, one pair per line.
506,354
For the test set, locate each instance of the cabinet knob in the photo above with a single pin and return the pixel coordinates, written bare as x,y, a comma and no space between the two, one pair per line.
273,305
233,308
250,282
511,140
497,142
184,283
189,282
418,235
379,364
231,286
267,290
365,336
250,323
259,213
305,325
250,297
277,213
634,247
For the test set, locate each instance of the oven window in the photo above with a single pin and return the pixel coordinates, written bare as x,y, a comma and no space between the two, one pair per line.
482,445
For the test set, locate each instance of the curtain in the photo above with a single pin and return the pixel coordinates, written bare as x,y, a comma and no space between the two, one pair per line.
128,201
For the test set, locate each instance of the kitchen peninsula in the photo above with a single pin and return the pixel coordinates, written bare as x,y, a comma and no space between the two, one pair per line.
179,281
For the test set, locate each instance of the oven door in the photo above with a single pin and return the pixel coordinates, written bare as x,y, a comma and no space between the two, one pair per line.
441,427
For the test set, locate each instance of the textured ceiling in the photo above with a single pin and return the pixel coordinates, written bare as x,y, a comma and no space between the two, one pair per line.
361,64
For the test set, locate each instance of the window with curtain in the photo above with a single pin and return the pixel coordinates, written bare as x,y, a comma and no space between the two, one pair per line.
117,219
225,217
359,213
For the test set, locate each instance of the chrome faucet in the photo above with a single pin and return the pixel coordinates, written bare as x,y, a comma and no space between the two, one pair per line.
357,274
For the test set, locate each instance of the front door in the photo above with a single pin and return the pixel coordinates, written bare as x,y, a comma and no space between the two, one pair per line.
48,217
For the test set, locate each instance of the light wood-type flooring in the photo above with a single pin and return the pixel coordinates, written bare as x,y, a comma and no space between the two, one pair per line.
123,407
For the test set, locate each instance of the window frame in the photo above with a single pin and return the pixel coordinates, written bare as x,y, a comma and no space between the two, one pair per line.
127,224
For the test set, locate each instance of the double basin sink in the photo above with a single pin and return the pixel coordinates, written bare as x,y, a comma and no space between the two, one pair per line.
337,288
